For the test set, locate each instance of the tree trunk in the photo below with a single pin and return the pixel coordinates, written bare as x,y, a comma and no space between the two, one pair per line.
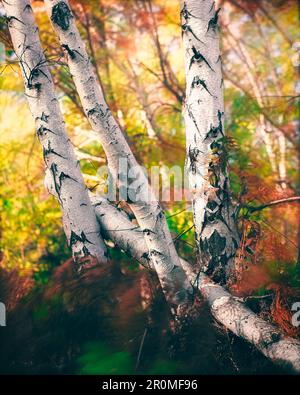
63,176
214,216
225,308
143,203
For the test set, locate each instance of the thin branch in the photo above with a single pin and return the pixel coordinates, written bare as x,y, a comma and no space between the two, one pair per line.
273,203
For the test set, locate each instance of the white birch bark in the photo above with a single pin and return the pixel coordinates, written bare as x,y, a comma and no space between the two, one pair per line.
225,308
214,217
63,176
146,209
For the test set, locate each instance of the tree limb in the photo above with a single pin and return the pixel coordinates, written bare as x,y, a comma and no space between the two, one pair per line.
225,308
63,176
144,204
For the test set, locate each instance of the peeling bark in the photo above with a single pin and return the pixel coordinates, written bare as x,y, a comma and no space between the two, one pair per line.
146,209
63,176
214,216
226,309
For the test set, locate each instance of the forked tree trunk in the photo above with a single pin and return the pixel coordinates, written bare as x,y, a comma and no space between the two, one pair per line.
145,206
115,224
63,175
226,309
214,216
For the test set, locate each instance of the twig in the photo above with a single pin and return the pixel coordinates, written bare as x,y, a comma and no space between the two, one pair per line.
274,203
141,349
253,297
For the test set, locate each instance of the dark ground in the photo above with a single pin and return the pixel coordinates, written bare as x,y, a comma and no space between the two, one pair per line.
95,324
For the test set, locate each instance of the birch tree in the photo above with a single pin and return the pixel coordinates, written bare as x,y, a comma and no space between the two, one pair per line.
142,201
214,214
116,226
63,176
225,308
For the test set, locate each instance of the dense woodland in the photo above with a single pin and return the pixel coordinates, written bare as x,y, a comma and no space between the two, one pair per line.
114,317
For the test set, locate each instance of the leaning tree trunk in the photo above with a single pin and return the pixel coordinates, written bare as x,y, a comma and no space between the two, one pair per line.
214,216
225,308
63,175
147,210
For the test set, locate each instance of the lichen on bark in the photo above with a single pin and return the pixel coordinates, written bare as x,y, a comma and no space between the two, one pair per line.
214,214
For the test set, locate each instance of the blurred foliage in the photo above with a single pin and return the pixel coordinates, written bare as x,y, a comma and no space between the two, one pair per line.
32,238
98,358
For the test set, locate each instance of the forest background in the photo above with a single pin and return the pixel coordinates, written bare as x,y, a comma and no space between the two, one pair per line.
136,48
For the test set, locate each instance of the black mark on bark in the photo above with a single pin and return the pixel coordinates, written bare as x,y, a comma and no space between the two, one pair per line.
155,253
44,117
198,58
98,111
49,150
213,22
185,13
61,15
74,238
28,8
9,19
193,155
147,232
42,130
69,51
187,29
191,115
216,244
215,130
198,82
